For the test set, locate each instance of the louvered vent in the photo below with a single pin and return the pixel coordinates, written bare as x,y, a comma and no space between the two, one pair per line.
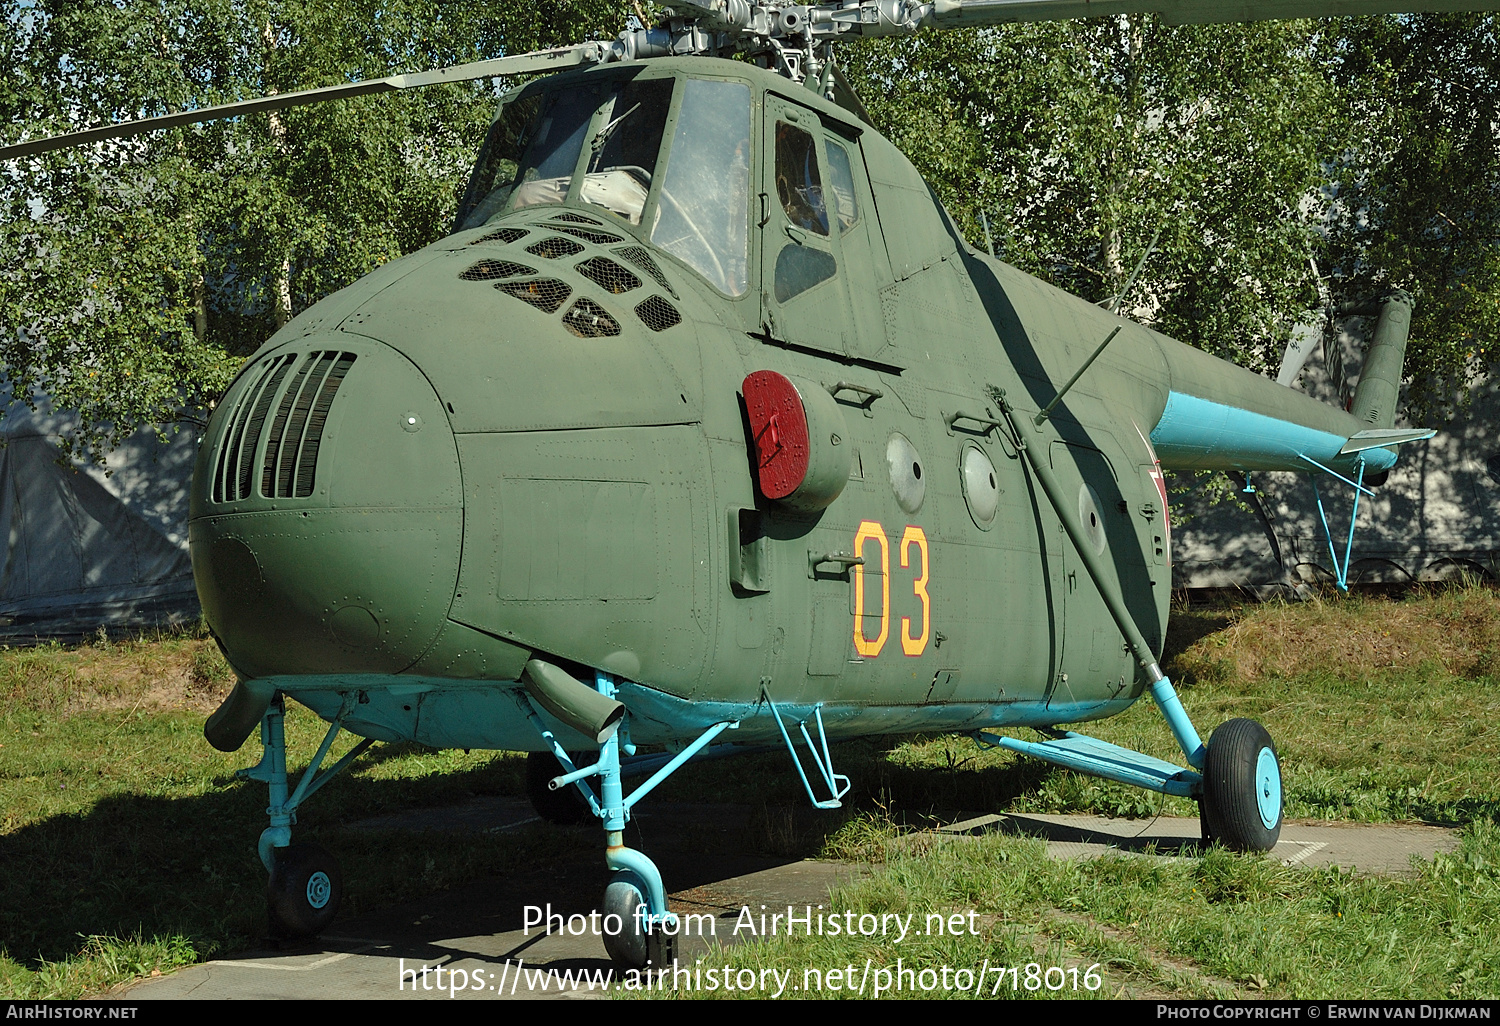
291,462
505,236
657,314
597,238
490,270
608,275
588,319
575,218
554,247
544,294
641,258
237,449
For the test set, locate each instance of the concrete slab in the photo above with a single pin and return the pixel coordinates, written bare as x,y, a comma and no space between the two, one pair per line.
477,934
1366,847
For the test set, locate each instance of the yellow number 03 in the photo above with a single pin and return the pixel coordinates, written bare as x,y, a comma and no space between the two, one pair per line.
869,531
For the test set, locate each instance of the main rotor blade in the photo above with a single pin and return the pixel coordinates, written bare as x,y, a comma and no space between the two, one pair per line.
520,64
1183,12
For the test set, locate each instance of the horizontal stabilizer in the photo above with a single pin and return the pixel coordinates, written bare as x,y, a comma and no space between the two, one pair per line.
1378,438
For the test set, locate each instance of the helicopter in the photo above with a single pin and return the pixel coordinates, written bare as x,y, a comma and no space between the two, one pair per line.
706,418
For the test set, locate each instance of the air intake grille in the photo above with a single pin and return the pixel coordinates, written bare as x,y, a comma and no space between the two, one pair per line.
505,236
291,461
637,255
575,218
658,314
554,247
544,294
587,319
237,450
608,275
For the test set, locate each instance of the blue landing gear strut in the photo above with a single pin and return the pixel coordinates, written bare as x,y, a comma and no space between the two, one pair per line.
306,884
1239,786
639,929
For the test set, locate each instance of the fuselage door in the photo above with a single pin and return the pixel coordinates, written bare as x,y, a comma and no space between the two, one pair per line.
804,285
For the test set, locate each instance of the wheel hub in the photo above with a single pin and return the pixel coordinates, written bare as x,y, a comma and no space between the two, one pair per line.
319,889
1268,788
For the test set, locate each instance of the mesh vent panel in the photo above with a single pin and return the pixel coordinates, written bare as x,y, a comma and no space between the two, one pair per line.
658,314
544,294
505,236
489,270
608,275
597,238
641,258
575,218
588,319
554,247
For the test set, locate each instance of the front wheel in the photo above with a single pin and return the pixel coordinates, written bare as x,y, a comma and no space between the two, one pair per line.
1241,805
304,891
637,944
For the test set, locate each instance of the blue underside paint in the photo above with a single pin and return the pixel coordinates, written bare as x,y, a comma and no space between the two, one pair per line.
446,713
1200,434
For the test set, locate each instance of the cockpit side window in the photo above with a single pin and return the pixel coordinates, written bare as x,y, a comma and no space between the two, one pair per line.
841,183
799,185
702,216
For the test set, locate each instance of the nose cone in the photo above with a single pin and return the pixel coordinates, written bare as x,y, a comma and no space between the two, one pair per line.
327,511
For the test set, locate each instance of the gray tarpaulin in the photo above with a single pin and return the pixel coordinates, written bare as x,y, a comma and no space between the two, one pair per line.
88,546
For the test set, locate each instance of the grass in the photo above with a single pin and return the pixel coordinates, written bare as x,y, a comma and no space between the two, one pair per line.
130,847
1220,926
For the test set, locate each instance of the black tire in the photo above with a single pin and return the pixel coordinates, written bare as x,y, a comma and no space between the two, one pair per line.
1241,804
565,806
304,891
627,945
632,947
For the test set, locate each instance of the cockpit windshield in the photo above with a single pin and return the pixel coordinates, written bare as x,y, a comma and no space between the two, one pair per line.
599,142
531,157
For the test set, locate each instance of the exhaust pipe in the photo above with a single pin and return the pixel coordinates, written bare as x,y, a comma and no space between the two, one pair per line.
239,714
572,701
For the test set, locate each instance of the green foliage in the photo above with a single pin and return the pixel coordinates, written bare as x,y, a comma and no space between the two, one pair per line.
1415,194
139,272
1249,153
1081,142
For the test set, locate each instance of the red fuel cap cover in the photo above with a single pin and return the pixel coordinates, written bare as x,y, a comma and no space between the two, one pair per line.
778,432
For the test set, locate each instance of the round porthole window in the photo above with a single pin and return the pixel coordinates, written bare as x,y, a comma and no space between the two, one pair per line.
908,478
1090,517
981,488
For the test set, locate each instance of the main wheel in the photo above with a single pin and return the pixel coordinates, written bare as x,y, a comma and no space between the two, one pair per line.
1242,787
634,947
304,891
565,806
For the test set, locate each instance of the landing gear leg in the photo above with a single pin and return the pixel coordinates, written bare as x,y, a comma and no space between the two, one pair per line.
639,930
306,884
645,933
